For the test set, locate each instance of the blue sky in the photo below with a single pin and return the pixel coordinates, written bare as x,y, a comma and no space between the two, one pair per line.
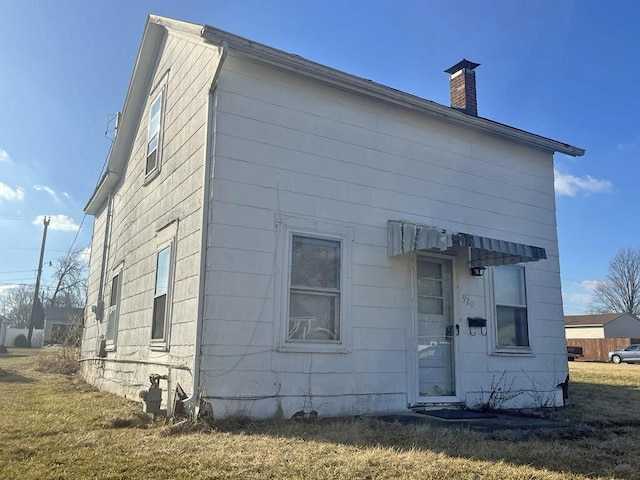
564,69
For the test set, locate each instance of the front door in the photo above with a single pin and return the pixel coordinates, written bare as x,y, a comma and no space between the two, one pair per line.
435,329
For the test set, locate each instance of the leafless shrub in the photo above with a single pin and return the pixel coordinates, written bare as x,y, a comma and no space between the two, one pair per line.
500,394
65,359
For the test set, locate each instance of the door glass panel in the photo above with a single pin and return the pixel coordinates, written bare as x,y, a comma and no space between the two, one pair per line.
435,330
433,306
427,286
429,270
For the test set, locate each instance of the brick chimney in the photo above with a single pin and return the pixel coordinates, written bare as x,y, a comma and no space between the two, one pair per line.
462,82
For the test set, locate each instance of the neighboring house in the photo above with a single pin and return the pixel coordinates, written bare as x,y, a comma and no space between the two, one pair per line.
606,325
274,235
59,322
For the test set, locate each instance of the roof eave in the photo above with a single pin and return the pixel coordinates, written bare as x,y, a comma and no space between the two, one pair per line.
355,84
131,111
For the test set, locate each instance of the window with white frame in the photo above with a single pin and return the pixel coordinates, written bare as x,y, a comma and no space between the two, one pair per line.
161,299
512,327
154,135
313,285
112,311
314,293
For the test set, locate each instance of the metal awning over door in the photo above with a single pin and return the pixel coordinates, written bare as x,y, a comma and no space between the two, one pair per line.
406,237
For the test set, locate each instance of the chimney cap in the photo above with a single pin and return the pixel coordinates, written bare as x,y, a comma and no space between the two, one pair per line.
464,63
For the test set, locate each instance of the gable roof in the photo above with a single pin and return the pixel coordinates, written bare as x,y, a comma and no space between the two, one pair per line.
155,30
593,320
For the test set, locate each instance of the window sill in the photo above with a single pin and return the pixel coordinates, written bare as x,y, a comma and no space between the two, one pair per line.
110,347
159,346
512,353
313,348
149,177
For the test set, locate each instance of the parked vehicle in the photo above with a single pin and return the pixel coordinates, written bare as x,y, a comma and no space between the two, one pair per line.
629,354
574,352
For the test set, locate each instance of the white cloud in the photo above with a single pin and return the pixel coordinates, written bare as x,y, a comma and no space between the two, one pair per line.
4,155
570,185
55,195
578,296
5,288
581,293
58,222
11,194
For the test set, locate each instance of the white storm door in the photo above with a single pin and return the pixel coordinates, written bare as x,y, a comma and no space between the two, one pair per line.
434,285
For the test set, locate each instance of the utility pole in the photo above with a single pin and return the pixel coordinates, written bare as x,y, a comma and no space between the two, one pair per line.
35,295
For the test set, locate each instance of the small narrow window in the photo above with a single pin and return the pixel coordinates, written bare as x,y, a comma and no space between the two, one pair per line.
112,312
511,307
153,143
160,300
314,294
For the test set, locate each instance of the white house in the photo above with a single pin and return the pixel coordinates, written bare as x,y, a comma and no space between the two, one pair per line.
274,235
605,325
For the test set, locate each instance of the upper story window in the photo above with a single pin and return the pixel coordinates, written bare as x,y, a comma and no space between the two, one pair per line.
512,325
154,136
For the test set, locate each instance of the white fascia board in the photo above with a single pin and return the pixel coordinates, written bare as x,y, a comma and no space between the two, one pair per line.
354,84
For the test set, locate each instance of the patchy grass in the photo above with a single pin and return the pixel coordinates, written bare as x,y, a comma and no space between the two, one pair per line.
55,426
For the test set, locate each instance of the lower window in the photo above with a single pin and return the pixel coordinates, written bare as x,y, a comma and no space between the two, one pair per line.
314,294
160,300
512,325
112,311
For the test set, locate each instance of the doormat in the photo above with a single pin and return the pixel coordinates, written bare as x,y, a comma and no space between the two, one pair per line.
455,414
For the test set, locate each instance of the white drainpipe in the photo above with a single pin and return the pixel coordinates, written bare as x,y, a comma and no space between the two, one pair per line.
193,402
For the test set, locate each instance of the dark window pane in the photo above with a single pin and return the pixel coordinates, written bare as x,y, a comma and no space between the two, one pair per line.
315,263
151,161
159,309
314,317
512,327
114,291
429,269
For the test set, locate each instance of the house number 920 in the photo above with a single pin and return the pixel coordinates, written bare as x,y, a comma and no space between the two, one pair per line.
467,301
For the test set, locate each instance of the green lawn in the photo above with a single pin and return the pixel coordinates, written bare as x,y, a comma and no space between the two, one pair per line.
55,426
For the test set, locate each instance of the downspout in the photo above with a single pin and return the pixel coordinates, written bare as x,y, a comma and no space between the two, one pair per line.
99,312
193,402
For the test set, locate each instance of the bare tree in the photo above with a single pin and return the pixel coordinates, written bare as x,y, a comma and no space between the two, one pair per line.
68,289
619,292
18,301
70,280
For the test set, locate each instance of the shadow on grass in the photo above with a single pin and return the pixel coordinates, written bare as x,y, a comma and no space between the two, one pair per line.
600,405
594,444
7,376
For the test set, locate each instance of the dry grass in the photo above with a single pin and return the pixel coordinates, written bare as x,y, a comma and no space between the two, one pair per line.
54,426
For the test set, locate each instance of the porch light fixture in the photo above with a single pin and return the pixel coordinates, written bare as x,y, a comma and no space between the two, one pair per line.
477,271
